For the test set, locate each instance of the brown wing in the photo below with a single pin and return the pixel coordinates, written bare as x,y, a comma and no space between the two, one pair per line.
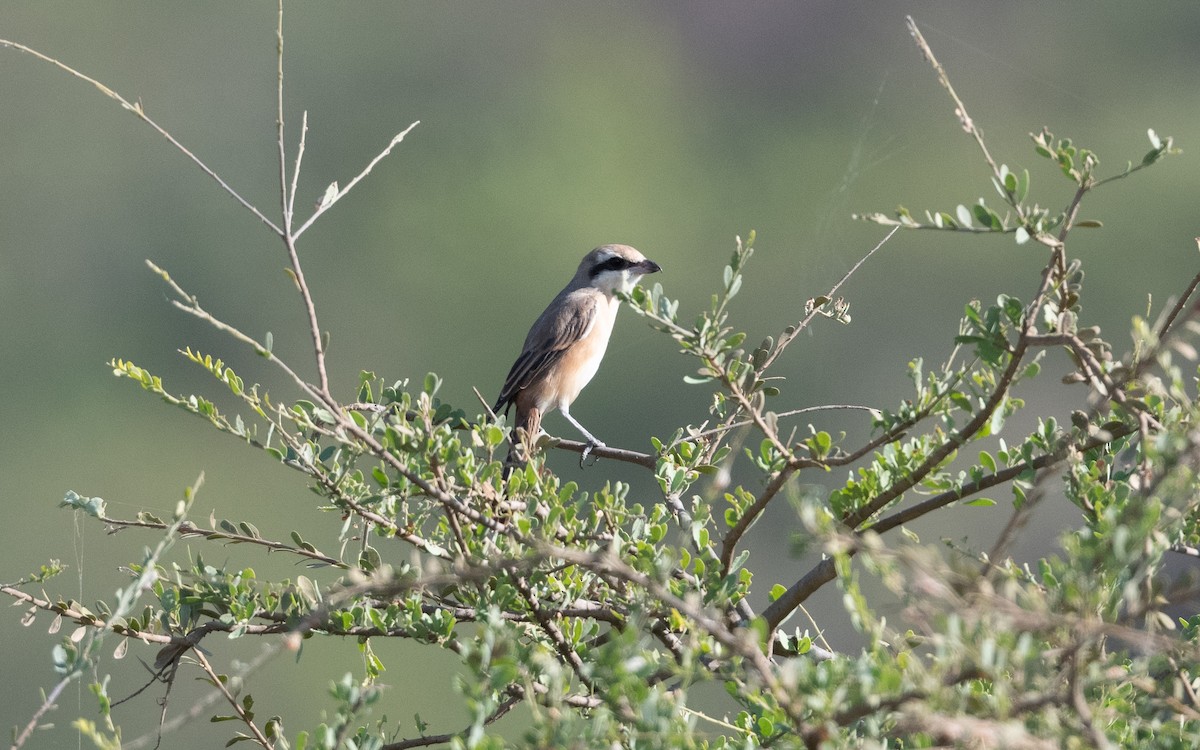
544,350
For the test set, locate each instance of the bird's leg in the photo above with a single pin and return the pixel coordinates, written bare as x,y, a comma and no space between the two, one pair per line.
593,441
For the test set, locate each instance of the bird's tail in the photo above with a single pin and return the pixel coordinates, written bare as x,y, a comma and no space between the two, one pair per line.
522,439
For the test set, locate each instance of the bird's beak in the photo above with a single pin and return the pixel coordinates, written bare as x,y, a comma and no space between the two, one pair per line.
649,266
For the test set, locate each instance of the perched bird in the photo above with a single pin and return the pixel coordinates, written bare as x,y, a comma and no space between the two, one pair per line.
565,345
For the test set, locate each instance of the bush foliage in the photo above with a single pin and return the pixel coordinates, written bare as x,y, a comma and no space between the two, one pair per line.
598,613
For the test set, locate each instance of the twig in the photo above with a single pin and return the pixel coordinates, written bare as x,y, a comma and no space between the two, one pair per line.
825,571
779,415
952,443
729,543
188,529
219,684
325,205
551,629
786,339
612,568
515,696
137,110
48,705
201,705
191,305
646,460
960,109
1079,703
291,193
1180,304
314,328
284,197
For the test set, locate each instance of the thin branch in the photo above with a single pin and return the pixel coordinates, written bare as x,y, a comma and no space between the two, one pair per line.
952,443
551,629
237,707
284,198
314,328
200,706
191,305
137,110
380,520
960,109
612,568
1180,304
326,204
825,571
646,460
48,705
291,194
729,543
79,617
780,415
1079,703
188,529
515,695
786,339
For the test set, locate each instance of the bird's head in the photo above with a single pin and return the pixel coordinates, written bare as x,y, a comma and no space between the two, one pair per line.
614,268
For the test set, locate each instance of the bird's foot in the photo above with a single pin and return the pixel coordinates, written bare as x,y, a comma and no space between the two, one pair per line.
587,451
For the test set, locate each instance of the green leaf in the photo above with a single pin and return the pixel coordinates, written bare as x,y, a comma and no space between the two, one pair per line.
986,460
1023,186
735,287
432,383
964,215
1010,181
766,727
981,502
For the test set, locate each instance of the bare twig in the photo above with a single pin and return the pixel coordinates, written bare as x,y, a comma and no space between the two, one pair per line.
140,113
645,460
314,328
191,305
49,704
326,204
1180,304
284,196
960,109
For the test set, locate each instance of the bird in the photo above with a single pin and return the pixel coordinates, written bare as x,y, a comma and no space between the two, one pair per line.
565,345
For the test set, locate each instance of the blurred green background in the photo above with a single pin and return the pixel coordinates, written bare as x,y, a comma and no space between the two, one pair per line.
546,129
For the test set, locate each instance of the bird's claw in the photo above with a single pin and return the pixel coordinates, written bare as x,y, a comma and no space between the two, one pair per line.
587,451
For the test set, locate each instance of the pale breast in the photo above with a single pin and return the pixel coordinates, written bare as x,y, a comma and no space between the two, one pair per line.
581,361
